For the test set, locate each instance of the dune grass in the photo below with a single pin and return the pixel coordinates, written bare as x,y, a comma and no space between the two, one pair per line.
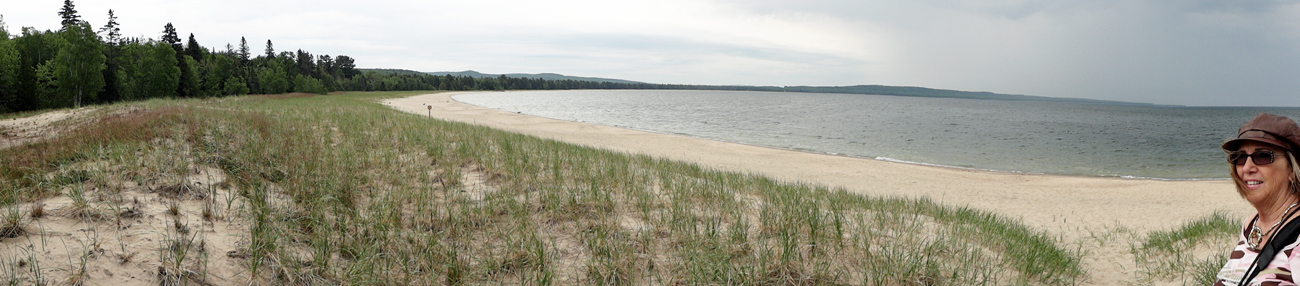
337,189
1191,254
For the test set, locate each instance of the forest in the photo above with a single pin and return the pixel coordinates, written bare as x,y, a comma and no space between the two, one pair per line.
80,64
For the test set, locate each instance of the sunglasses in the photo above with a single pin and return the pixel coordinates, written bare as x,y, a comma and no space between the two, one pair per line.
1263,157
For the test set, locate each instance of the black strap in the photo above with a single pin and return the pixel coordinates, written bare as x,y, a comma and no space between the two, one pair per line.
1284,236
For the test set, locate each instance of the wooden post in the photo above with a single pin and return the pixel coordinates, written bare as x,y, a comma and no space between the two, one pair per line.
430,110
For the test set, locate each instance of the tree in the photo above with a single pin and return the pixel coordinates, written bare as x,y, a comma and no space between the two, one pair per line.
272,79
112,34
193,49
79,65
306,64
325,66
243,51
214,70
148,70
35,48
346,66
112,51
4,32
270,50
169,36
69,14
9,67
188,84
307,84
235,86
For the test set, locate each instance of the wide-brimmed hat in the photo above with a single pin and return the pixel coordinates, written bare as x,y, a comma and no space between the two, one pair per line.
1267,128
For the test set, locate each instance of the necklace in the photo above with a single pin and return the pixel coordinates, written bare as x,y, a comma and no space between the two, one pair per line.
1257,235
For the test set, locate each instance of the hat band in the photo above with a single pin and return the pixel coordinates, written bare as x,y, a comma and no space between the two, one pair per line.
1264,134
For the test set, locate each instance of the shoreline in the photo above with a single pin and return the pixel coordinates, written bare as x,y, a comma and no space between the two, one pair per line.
1077,209
1208,194
881,159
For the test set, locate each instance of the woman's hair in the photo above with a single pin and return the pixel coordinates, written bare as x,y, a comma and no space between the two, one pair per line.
1295,175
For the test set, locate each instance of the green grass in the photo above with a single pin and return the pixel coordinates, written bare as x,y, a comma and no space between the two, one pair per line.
1172,255
13,115
338,189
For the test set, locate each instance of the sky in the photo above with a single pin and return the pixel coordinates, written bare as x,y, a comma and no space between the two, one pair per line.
1195,52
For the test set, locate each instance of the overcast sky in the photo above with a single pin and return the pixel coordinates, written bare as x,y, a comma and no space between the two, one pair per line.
1233,53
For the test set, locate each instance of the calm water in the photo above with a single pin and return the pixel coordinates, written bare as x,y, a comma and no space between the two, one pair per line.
1013,136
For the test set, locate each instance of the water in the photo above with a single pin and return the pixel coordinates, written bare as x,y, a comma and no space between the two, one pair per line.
1176,143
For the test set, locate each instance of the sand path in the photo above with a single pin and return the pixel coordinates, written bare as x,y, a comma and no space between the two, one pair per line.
1075,208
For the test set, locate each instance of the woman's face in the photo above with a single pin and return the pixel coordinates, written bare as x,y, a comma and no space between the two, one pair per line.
1265,183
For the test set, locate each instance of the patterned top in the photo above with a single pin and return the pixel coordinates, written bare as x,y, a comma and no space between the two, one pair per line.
1277,273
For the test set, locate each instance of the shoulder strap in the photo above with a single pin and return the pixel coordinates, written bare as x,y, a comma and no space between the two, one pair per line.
1284,236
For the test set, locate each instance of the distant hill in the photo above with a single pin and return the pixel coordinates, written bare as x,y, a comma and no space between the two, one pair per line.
855,89
545,76
392,71
470,73
930,92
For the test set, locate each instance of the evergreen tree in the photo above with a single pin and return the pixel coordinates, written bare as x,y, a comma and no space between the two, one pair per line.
346,66
112,34
243,51
112,52
79,65
185,86
325,66
69,14
306,65
188,84
169,36
193,49
270,50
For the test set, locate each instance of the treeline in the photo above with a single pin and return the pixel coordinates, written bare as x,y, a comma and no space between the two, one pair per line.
79,64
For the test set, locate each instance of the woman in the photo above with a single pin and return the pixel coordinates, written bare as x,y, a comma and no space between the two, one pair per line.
1264,169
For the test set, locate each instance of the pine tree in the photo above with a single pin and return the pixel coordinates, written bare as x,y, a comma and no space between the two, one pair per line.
169,36
346,66
193,49
112,34
69,14
112,52
306,65
243,51
270,50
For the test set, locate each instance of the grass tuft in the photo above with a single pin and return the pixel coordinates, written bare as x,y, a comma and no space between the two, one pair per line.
1192,253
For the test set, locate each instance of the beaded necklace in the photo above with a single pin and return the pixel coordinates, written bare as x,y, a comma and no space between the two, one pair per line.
1257,235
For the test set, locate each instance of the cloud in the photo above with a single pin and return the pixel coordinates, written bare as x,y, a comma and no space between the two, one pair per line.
1174,52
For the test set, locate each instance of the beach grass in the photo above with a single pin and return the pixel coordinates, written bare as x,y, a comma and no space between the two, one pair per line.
337,189
1191,254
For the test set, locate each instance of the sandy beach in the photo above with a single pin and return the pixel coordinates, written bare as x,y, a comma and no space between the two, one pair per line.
1075,208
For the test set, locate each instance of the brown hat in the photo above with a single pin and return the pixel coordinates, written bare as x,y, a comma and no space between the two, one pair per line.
1267,128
